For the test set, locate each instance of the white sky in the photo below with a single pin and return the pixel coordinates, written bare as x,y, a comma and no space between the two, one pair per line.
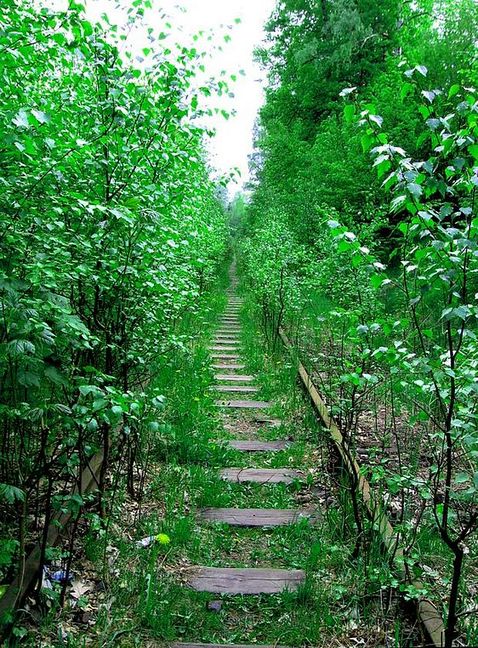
233,142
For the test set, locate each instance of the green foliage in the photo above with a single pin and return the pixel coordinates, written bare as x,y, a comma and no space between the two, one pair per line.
361,106
110,233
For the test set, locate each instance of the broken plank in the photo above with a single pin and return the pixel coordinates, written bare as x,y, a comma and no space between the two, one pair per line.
230,580
261,475
254,517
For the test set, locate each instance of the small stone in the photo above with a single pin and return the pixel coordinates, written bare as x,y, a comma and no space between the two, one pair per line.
214,606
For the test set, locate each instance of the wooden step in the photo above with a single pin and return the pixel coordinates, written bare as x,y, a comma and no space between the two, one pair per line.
204,645
234,377
241,389
230,580
244,404
232,366
257,446
225,356
227,339
261,475
223,347
253,517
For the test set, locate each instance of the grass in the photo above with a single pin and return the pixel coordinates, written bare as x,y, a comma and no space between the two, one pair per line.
145,600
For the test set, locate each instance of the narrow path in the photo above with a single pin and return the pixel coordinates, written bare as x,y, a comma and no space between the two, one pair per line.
241,390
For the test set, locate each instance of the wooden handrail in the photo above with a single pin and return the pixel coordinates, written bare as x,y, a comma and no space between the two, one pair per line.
25,581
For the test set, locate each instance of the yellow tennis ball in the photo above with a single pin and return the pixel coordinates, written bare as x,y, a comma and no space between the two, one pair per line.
162,538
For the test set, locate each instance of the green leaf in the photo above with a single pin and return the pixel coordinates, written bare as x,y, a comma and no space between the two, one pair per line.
349,112
11,494
454,90
473,150
407,88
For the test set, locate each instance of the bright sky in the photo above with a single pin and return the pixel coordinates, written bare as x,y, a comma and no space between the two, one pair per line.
233,142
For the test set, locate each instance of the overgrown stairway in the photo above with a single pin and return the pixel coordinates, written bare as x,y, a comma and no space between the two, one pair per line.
239,389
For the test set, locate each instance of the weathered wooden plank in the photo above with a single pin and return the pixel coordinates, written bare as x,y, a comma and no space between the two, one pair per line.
234,377
223,347
254,517
244,404
204,645
230,580
225,356
226,343
241,389
261,475
258,446
232,366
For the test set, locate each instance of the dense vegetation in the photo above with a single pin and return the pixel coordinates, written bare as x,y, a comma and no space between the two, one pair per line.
366,173
358,237
111,233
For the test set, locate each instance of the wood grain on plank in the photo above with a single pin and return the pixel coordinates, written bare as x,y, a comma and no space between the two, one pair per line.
261,475
257,446
223,347
231,366
234,377
253,517
204,645
230,580
225,356
241,389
